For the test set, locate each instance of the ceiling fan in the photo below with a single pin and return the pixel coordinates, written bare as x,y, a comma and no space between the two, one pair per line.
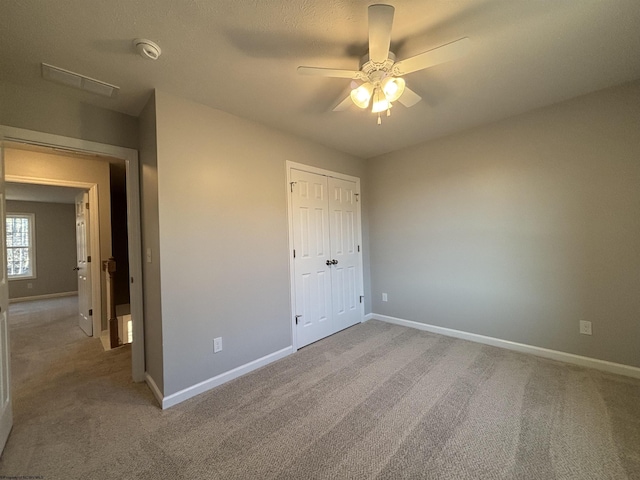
379,81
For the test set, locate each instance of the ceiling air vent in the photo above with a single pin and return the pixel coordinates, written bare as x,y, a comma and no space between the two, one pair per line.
60,75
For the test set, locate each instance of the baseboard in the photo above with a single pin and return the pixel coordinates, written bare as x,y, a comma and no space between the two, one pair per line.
213,382
368,316
603,365
154,387
105,339
42,297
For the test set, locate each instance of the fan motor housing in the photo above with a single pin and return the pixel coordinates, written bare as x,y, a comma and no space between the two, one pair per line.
368,67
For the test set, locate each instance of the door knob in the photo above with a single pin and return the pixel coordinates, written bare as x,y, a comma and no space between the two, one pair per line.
329,263
75,269
334,262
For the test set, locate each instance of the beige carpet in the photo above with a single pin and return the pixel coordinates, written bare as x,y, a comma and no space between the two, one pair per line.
374,401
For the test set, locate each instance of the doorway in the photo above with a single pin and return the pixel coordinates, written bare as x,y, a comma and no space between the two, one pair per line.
39,195
45,243
72,146
325,236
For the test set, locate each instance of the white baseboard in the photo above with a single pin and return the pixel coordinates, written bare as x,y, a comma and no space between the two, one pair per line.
42,297
154,387
368,316
198,388
603,365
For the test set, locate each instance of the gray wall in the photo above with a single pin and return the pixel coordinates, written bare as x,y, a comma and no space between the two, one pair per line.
55,238
519,229
151,240
33,109
223,237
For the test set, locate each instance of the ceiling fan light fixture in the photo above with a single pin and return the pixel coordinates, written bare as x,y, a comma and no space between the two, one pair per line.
377,83
393,88
361,95
380,102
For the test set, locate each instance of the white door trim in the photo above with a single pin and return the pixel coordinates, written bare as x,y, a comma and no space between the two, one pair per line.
6,396
94,226
130,157
328,173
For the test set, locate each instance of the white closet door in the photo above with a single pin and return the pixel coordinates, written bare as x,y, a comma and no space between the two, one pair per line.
327,270
344,250
310,210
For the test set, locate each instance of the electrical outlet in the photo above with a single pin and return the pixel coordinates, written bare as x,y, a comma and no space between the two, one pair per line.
217,344
384,297
585,327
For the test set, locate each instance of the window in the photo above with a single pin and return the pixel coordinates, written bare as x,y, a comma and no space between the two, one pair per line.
21,251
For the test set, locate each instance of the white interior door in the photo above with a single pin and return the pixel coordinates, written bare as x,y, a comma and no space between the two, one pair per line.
6,413
83,267
327,262
310,210
344,253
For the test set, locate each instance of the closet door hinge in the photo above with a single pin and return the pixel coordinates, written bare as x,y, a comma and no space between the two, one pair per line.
361,298
91,312
357,197
294,253
297,317
358,247
292,185
89,259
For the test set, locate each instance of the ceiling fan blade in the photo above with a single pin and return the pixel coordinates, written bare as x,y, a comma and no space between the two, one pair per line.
343,104
409,98
344,100
330,72
380,23
438,55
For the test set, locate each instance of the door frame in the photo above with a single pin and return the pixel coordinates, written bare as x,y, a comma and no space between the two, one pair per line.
94,229
6,396
130,157
292,293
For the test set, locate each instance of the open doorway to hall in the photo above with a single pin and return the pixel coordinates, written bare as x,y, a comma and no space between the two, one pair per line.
77,207
41,241
30,157
120,254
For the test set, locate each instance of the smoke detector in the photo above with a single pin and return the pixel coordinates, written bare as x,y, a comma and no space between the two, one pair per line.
147,48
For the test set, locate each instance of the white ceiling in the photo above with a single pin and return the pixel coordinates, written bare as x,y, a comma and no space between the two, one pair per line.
241,56
40,193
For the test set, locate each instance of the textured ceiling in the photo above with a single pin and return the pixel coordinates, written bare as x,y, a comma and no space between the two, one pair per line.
241,56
